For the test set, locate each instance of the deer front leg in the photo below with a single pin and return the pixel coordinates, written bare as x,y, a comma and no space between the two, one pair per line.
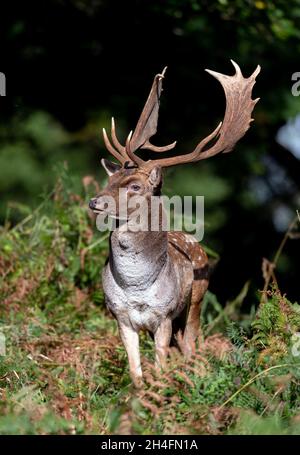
130,339
162,338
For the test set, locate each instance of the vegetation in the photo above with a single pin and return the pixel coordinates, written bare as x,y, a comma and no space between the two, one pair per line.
65,369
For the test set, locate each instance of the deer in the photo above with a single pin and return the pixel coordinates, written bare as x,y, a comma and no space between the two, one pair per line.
155,281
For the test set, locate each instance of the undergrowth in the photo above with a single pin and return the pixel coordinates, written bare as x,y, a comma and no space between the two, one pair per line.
64,369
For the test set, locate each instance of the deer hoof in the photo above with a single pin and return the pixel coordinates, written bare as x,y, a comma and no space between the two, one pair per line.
137,381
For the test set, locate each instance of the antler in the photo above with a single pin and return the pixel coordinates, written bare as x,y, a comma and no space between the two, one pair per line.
237,119
119,152
145,129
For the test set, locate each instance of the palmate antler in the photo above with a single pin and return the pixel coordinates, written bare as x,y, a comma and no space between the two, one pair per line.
237,119
145,129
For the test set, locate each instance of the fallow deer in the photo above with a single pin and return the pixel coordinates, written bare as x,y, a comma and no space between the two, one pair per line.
156,280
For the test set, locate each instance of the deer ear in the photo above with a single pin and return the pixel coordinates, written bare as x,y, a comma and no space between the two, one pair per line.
110,167
155,176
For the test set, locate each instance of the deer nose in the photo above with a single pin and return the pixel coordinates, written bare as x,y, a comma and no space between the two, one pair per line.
92,204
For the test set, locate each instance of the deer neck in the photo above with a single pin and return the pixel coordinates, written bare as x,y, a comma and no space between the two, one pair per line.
137,258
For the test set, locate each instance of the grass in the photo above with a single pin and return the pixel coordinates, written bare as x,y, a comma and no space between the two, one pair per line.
65,370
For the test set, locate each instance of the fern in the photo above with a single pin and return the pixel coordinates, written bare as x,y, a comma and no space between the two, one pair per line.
276,321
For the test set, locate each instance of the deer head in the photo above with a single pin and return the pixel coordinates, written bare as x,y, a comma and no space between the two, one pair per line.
144,178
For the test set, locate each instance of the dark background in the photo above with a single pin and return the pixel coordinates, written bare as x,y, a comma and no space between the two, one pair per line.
71,65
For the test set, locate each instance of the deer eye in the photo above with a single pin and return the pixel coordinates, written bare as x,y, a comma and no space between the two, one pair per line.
135,187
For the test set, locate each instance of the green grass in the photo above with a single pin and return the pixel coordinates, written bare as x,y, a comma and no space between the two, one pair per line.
65,370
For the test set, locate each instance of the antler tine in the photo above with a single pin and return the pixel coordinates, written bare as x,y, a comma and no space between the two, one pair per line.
154,148
237,118
130,153
206,140
111,149
115,140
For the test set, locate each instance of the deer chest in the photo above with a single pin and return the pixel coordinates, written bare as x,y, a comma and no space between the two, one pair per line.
144,308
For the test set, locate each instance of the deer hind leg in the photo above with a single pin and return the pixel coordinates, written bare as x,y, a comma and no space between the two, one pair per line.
130,339
192,327
162,338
